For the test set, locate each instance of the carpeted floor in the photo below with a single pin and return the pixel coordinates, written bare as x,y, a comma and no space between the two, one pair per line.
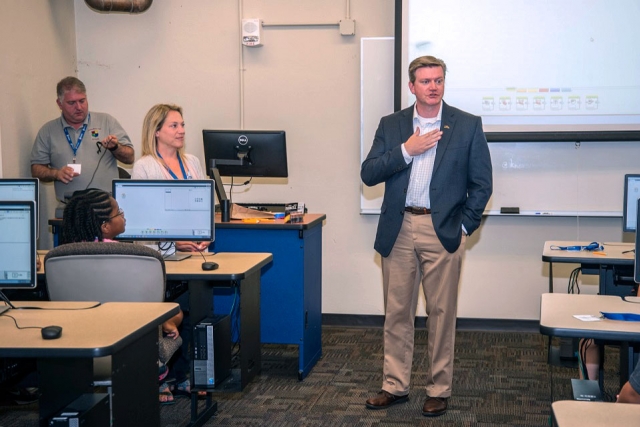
500,379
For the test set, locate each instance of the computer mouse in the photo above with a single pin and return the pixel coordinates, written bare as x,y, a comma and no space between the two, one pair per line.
208,266
51,332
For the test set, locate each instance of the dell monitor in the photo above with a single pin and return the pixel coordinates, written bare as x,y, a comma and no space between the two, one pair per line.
20,189
250,153
631,196
17,246
166,210
247,153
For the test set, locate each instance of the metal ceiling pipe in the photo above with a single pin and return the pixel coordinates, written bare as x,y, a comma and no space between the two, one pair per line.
130,6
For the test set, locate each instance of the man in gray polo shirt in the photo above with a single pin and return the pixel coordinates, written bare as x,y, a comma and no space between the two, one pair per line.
79,149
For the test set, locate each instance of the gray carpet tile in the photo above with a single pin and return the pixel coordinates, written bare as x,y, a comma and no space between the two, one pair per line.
500,379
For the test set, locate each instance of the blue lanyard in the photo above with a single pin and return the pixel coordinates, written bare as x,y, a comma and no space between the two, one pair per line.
173,175
75,148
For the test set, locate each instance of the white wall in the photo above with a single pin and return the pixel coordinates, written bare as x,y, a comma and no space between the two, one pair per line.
304,80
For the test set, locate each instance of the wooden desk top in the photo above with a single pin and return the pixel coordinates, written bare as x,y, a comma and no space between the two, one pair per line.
91,332
614,253
557,311
310,220
232,265
573,413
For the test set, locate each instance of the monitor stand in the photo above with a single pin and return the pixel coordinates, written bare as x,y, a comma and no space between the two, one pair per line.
4,308
176,257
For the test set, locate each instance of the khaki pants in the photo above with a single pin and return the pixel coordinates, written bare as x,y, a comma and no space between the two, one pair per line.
419,257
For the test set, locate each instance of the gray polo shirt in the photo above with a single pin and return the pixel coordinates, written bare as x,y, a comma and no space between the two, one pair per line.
52,148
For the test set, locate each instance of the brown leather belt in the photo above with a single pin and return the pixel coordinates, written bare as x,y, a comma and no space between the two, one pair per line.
417,210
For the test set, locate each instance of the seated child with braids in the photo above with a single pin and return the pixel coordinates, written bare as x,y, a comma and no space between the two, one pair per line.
92,215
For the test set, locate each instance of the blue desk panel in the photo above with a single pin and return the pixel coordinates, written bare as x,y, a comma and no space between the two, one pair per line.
291,292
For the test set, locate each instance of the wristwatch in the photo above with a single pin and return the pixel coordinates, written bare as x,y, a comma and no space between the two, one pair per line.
114,148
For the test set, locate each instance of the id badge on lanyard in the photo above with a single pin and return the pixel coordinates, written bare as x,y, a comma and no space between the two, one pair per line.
75,166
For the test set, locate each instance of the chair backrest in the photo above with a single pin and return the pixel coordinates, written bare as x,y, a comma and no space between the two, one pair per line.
123,173
105,272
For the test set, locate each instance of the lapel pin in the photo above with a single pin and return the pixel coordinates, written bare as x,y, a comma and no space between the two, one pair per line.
446,126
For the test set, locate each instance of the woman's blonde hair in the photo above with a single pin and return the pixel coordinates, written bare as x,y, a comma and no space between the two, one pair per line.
153,122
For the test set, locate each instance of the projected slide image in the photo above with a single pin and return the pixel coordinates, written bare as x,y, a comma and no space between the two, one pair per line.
570,59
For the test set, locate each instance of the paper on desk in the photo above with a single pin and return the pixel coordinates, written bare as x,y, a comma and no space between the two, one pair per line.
587,317
240,212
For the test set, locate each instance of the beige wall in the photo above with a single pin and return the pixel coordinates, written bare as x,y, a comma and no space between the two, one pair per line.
304,80
37,47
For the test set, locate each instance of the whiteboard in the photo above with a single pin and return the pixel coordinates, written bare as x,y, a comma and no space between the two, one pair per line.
376,101
539,178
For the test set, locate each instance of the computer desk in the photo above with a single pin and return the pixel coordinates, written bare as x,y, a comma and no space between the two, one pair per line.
238,272
241,271
556,319
592,262
293,280
126,331
291,298
573,413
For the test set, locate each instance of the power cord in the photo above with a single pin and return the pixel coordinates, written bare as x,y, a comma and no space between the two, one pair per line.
98,165
582,351
165,247
574,285
237,185
235,328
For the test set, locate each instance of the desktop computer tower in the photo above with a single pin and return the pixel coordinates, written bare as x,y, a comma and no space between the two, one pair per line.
90,409
211,351
569,348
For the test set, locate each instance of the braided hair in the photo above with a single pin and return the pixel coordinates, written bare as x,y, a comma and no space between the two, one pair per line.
84,215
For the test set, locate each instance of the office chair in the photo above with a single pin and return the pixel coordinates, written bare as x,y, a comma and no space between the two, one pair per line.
123,173
108,272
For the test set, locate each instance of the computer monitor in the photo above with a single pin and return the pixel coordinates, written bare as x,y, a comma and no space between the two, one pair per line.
256,153
17,246
250,153
636,266
166,210
631,196
20,189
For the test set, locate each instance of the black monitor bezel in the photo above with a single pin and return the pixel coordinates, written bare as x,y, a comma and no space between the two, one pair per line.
36,183
636,262
187,182
244,170
32,241
625,209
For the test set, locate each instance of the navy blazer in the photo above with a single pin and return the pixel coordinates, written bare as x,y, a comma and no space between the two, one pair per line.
461,183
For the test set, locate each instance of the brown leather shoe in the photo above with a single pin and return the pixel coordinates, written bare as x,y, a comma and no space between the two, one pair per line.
434,406
384,399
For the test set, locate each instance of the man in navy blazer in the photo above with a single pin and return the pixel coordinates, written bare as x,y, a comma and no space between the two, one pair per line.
436,166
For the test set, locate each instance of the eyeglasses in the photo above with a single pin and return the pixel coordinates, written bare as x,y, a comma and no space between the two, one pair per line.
120,212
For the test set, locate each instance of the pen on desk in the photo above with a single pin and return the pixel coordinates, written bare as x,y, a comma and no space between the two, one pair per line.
600,253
